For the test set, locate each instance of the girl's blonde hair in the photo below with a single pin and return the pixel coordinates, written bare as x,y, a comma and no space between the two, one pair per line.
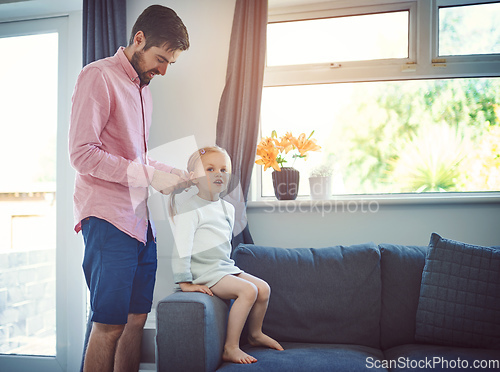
191,166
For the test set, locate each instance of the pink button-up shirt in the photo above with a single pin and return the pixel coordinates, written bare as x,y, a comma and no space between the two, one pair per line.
110,121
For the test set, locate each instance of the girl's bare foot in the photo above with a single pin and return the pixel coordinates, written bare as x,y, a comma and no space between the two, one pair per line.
263,340
236,355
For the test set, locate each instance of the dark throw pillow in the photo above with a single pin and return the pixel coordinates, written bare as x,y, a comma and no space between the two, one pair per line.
459,303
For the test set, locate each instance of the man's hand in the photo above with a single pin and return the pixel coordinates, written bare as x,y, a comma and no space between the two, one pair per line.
190,287
166,182
181,173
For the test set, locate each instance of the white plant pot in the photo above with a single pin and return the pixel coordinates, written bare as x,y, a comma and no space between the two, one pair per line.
320,187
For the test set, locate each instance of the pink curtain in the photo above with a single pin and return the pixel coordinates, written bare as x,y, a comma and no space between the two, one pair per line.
239,110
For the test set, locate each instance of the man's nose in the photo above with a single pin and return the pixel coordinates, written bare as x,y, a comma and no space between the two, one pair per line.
163,69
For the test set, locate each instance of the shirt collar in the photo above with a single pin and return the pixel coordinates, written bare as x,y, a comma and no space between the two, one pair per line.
127,66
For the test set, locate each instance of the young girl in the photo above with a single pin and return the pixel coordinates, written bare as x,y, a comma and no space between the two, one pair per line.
201,263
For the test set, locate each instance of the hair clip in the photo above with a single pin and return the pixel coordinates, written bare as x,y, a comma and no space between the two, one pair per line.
202,151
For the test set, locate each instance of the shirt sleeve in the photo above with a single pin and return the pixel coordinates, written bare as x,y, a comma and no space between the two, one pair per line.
89,115
184,228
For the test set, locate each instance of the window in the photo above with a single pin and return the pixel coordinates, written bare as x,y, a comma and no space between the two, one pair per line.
423,115
376,36
27,198
42,301
469,30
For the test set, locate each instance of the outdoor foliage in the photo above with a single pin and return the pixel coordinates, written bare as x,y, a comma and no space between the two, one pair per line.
424,136
435,135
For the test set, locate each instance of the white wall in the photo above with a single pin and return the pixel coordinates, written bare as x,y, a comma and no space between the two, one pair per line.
353,223
186,99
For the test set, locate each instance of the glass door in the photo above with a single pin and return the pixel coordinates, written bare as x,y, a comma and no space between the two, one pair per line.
42,304
28,194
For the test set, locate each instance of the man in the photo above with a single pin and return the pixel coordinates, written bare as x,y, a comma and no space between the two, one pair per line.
110,121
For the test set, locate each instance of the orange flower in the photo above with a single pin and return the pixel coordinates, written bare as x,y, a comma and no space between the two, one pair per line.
304,144
266,143
268,158
286,142
268,154
270,149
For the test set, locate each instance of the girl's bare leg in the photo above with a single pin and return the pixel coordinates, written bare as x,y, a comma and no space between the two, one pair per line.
245,294
256,317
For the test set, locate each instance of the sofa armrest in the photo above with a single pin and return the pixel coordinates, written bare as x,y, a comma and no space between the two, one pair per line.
190,332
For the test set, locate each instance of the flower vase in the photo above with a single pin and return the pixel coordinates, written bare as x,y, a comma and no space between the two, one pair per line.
286,183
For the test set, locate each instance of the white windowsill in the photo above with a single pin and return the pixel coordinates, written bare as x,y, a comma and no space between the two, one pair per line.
382,199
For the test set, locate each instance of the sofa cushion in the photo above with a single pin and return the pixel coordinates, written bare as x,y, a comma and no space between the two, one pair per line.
401,271
459,301
418,357
299,357
321,295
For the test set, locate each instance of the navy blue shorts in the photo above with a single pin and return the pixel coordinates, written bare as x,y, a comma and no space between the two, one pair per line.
120,271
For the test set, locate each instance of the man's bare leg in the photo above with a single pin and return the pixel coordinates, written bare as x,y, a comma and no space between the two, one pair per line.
101,348
128,351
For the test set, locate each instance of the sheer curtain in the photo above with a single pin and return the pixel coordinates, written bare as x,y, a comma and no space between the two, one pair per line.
239,110
104,28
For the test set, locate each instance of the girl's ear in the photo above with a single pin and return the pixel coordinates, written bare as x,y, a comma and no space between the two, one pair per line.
192,178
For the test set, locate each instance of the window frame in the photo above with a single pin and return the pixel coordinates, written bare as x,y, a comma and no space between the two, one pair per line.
346,13
468,59
70,288
423,62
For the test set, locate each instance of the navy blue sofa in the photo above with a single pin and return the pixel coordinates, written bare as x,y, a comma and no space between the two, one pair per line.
357,308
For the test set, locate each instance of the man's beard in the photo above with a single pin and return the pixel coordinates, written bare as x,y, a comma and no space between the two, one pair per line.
136,61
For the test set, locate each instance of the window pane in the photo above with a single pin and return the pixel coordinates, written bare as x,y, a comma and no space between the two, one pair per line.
354,38
472,29
28,121
393,137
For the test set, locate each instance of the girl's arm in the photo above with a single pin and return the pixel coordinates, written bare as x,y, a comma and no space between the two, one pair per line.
183,227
